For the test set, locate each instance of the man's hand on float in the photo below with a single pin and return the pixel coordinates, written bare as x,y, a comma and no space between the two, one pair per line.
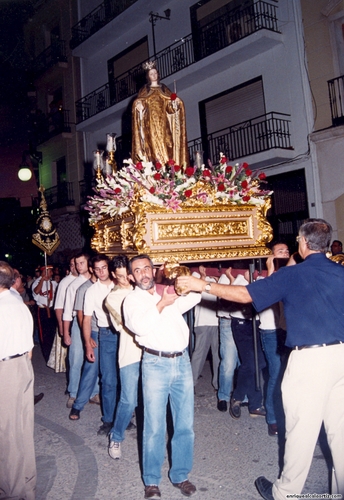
191,283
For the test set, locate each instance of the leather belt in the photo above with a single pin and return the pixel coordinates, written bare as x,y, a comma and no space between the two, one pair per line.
13,357
300,347
162,353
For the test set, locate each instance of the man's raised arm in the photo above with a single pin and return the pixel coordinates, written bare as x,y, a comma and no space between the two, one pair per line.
234,293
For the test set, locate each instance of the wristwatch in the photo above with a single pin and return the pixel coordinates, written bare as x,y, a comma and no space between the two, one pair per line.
207,287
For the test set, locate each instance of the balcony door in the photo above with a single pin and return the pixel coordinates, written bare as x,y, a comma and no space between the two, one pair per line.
231,110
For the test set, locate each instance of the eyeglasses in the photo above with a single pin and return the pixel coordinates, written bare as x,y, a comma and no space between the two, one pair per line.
298,238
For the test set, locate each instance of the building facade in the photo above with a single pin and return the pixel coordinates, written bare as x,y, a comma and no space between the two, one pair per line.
324,44
239,68
54,88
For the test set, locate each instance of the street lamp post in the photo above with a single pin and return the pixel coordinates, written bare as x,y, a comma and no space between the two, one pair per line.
153,18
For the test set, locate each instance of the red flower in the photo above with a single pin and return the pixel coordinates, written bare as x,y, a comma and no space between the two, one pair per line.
158,165
262,176
189,171
228,169
221,187
139,165
117,190
173,96
171,163
152,190
246,198
188,193
245,165
206,173
248,172
223,160
244,184
157,176
176,168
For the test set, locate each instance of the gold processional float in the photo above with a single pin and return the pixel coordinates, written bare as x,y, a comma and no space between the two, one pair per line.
174,214
169,210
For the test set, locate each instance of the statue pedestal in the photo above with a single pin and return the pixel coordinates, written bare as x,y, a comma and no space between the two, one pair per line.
196,233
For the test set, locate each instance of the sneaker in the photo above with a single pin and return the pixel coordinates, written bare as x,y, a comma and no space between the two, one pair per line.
115,450
222,405
235,409
70,402
104,429
95,400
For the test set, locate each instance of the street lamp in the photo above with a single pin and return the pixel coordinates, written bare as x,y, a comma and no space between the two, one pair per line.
153,18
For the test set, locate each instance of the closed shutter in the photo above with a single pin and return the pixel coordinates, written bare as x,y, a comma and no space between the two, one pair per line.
234,107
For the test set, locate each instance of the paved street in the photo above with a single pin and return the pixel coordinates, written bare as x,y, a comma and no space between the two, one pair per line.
73,463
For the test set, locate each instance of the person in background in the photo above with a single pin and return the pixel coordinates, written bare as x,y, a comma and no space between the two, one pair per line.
336,247
206,329
17,456
43,290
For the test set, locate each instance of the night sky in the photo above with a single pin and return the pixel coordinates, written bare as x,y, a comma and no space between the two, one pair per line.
13,99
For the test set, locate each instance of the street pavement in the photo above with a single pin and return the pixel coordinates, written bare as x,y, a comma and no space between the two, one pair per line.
73,461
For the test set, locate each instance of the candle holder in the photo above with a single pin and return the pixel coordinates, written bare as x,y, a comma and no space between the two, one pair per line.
111,149
98,163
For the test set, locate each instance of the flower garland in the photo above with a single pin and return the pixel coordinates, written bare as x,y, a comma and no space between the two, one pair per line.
170,185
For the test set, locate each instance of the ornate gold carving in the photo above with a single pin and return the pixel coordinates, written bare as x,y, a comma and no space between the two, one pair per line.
199,232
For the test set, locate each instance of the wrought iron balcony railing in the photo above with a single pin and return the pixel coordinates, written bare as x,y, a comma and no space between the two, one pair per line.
336,94
95,20
263,133
43,128
60,196
180,55
53,54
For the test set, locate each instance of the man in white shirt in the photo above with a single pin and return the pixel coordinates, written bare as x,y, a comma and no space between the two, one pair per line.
43,291
161,330
61,294
71,330
108,339
17,456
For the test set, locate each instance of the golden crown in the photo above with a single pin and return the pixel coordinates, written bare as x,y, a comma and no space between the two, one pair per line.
149,65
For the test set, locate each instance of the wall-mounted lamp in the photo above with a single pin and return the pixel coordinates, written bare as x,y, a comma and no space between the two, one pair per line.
153,17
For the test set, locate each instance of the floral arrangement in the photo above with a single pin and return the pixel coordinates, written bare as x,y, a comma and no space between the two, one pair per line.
172,185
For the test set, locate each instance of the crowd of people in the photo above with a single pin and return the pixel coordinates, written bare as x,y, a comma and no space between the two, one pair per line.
124,330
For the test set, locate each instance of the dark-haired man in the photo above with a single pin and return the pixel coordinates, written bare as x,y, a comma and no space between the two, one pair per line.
160,329
129,356
108,339
313,384
17,456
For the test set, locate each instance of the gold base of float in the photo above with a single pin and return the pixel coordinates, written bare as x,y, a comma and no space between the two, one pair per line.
199,232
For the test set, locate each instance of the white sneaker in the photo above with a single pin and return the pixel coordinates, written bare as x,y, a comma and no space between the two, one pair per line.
115,450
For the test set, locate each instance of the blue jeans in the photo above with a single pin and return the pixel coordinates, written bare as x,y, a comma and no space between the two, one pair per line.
228,360
75,358
89,382
127,403
108,346
163,380
246,382
273,399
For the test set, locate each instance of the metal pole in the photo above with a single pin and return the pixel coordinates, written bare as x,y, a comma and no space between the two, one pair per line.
255,334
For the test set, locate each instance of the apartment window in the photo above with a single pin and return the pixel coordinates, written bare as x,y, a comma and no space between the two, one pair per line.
126,75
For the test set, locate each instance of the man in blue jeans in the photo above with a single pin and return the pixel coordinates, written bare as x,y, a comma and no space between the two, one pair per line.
159,326
129,356
108,339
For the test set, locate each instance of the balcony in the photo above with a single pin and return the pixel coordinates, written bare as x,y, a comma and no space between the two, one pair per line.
336,94
60,196
43,128
263,133
208,40
52,55
95,20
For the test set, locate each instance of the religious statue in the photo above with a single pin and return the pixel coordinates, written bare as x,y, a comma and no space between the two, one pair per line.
158,123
